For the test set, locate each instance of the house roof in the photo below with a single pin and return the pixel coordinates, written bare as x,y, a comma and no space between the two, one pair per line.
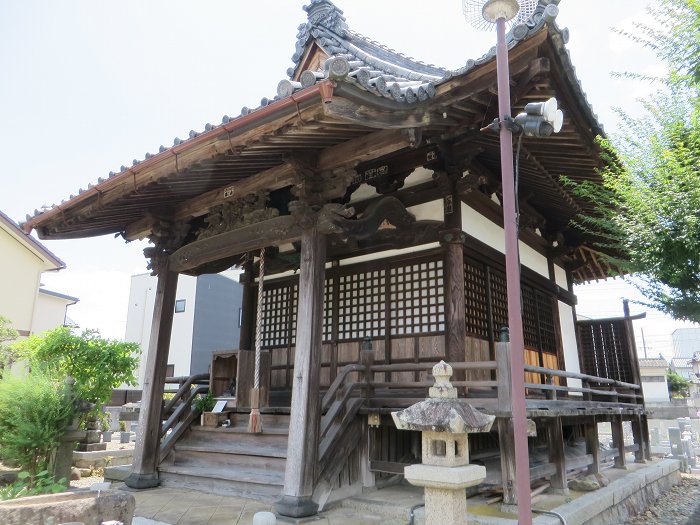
35,246
58,295
652,363
350,99
680,362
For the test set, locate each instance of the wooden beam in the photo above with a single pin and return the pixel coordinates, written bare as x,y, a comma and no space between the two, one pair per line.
350,153
305,410
146,455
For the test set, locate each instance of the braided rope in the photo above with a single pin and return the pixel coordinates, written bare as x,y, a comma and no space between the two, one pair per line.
258,320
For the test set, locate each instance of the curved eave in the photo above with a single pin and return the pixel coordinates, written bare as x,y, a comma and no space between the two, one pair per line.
168,161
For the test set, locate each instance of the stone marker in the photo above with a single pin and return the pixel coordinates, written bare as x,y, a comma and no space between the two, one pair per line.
445,472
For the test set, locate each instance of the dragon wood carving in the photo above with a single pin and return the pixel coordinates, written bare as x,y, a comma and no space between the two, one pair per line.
330,219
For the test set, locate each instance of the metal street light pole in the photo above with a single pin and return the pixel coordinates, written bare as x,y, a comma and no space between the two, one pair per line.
515,322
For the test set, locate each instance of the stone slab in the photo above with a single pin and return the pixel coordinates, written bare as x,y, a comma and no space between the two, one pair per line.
90,447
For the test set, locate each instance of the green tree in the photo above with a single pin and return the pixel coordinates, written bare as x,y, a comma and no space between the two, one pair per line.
647,207
98,365
7,334
677,386
35,412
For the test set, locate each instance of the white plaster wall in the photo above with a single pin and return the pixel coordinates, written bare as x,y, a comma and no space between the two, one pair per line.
491,234
481,228
656,391
569,343
560,277
534,260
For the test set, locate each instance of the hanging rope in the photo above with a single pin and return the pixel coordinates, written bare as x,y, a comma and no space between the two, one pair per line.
255,421
258,320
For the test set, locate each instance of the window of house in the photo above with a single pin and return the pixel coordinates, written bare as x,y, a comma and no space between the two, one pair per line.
179,306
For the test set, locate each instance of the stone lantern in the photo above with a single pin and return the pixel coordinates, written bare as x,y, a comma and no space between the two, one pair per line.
445,472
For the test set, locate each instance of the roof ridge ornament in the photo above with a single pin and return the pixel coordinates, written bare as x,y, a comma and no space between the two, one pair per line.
325,13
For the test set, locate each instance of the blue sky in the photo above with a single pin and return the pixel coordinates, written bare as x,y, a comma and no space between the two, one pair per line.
88,86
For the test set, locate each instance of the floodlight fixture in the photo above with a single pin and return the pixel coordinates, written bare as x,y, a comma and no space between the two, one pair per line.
541,119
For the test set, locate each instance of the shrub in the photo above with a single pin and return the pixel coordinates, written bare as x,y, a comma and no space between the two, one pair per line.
35,412
98,365
42,483
204,403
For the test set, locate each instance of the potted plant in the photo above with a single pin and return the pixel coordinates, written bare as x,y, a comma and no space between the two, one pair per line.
125,437
203,404
106,432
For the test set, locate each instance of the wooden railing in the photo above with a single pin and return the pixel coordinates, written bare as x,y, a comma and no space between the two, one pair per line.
179,411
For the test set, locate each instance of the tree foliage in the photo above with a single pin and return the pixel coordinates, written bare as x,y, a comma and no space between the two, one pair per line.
7,334
35,411
98,365
648,204
677,386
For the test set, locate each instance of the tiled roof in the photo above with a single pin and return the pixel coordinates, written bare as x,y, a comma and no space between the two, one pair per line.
362,62
652,363
680,362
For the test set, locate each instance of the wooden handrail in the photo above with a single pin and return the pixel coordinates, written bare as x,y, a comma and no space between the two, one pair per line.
182,408
337,382
576,375
186,386
419,367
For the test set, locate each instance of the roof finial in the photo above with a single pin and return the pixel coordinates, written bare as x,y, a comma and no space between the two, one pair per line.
325,13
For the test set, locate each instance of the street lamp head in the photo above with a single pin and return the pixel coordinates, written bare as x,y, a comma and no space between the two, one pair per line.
495,9
541,119
483,14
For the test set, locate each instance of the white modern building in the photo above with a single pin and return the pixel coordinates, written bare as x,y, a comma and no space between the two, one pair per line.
207,319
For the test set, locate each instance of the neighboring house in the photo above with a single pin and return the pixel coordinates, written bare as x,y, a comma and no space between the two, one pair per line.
207,319
686,341
30,308
654,385
682,366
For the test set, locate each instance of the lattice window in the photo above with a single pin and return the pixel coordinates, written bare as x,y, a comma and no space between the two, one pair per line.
529,311
545,314
476,299
604,350
499,301
417,298
294,299
328,309
276,314
362,305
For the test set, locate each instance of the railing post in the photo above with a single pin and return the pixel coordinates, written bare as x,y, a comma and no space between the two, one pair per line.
506,433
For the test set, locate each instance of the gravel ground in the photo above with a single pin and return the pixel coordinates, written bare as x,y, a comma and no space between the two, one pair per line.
679,506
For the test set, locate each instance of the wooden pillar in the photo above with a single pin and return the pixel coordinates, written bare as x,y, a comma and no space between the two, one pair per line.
555,437
144,473
456,331
506,440
647,440
638,437
618,438
592,444
305,413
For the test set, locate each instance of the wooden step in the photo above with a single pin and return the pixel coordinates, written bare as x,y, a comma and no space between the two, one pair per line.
206,457
251,483
263,447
